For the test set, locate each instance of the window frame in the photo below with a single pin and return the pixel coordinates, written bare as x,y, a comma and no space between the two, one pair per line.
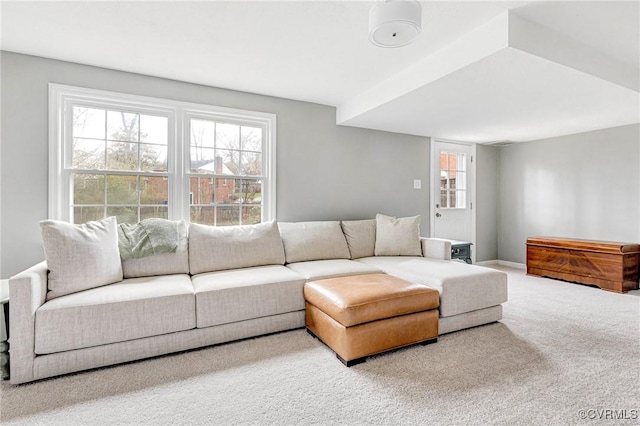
64,97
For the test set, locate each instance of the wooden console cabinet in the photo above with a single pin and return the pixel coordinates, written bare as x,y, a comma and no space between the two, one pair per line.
608,265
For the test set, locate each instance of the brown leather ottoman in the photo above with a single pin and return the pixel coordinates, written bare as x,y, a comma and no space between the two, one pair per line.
362,315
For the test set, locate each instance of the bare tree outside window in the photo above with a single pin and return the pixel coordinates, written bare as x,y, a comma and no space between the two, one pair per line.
232,154
107,140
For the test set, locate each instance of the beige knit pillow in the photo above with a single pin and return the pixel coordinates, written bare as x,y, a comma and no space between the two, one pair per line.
361,237
216,248
317,240
80,257
397,236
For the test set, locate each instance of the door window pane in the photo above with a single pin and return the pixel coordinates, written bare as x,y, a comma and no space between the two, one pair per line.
453,180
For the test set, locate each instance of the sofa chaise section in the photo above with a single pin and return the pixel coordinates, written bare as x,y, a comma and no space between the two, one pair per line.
470,295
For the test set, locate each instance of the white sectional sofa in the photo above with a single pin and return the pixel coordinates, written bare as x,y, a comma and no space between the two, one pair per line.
220,285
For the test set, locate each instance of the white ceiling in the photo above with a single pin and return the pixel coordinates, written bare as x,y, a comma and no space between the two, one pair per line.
476,73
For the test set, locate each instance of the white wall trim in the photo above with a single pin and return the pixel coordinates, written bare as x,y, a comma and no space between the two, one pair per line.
495,262
487,262
512,264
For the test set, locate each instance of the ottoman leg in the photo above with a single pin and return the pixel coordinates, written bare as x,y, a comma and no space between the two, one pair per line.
428,342
352,361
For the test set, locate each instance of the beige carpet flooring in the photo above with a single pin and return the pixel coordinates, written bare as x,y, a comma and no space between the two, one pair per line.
561,353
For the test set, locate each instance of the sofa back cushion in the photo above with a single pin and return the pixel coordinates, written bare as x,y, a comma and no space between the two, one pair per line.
305,241
397,236
361,237
164,263
80,257
216,248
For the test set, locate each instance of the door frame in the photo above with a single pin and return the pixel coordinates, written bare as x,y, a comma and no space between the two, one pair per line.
435,177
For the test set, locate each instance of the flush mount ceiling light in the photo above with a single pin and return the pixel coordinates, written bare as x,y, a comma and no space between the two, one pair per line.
395,23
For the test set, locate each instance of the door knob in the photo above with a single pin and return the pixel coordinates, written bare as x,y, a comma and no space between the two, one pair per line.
438,215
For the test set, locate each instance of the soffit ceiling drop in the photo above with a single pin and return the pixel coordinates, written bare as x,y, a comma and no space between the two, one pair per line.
507,85
510,79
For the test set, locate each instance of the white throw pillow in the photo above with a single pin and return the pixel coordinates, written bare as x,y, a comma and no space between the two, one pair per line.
320,240
397,236
361,237
216,248
80,257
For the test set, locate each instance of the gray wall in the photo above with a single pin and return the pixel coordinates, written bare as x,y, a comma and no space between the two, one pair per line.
486,203
323,171
585,185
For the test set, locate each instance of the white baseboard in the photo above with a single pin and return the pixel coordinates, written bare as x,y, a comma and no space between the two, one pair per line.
503,263
512,264
487,262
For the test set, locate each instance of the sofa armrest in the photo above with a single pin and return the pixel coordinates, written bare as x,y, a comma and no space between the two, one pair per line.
436,248
27,292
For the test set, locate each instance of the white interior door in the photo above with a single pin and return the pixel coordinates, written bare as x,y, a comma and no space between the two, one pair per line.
453,191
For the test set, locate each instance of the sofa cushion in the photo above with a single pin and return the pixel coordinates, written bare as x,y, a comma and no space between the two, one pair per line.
164,263
361,237
313,241
131,309
321,269
80,257
397,236
229,296
385,263
462,287
216,248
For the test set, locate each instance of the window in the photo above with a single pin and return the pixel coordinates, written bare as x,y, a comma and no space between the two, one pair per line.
453,180
118,164
226,172
132,157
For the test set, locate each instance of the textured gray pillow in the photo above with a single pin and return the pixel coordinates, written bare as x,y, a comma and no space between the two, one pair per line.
216,248
165,263
80,257
305,241
361,237
397,236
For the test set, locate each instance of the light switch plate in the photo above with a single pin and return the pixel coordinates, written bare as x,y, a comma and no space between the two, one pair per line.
417,184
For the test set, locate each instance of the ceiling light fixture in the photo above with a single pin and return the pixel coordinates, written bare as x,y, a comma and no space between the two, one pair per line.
395,23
